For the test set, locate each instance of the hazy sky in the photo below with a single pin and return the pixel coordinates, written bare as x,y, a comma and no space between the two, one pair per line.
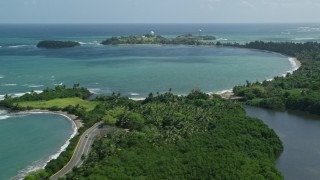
158,11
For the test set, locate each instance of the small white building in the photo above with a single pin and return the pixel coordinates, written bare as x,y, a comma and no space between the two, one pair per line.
152,33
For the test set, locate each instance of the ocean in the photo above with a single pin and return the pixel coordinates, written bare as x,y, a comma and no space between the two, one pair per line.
133,71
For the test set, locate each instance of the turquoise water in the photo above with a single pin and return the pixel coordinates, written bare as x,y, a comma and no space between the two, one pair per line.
134,71
29,140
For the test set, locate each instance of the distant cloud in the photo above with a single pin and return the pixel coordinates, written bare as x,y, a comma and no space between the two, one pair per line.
249,4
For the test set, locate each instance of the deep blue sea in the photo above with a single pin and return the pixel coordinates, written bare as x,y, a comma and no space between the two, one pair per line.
134,71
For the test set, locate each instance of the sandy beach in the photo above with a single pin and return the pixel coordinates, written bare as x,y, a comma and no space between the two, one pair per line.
78,122
296,64
227,95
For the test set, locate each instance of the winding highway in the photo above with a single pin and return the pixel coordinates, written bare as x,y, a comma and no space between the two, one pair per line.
83,147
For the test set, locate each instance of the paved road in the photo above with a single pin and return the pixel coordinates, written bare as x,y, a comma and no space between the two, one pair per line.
83,147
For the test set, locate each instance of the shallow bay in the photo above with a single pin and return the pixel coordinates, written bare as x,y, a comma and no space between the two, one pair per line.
28,141
135,71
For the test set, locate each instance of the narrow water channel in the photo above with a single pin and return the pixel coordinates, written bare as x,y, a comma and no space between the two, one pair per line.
300,135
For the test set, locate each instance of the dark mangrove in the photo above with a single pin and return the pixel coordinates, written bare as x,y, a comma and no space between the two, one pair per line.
57,44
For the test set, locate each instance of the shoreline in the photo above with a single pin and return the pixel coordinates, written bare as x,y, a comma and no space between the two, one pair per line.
295,65
73,118
40,164
228,93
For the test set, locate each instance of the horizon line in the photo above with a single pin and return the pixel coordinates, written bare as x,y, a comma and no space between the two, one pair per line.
159,23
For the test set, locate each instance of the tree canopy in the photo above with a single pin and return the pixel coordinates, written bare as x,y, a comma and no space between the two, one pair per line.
297,91
57,44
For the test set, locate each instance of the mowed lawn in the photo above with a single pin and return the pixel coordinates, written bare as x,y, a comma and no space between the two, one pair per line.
60,103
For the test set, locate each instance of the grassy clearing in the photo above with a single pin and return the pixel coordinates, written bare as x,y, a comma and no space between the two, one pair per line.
60,103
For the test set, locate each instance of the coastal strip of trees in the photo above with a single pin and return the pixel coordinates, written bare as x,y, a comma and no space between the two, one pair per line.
297,91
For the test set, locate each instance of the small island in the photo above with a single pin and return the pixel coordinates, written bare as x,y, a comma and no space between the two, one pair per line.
57,44
151,38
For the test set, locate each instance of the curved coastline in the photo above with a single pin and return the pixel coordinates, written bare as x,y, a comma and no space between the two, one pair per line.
228,93
295,65
40,164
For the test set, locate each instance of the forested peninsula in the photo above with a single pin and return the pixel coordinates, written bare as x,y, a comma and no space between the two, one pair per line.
181,137
57,44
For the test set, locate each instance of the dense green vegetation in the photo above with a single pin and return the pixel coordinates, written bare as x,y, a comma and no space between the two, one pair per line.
46,95
182,137
297,91
193,137
188,39
57,44
190,36
135,40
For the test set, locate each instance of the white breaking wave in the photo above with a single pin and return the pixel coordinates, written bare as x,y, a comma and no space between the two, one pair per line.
222,92
134,94
294,65
19,46
20,94
308,29
38,91
138,99
40,164
58,84
301,39
35,86
4,117
1,77
222,39
89,43
3,112
17,94
94,90
9,84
